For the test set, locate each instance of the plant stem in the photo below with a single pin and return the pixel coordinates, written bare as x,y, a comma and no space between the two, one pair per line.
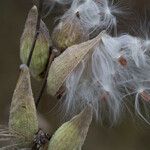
37,31
52,55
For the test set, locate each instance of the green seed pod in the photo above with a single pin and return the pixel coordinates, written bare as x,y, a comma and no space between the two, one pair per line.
68,33
41,51
71,135
23,122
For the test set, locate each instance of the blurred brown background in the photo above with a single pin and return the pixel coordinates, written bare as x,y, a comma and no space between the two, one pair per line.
128,135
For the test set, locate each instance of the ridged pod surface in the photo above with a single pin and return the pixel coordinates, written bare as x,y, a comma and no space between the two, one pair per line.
68,33
41,50
71,135
23,122
63,65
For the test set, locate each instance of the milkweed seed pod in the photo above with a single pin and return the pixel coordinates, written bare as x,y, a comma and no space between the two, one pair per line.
68,33
118,68
73,27
77,24
23,122
67,62
71,135
115,69
41,51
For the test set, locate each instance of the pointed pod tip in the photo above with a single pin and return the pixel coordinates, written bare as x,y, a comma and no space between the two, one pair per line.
102,33
88,110
72,134
86,114
23,67
23,123
34,7
33,10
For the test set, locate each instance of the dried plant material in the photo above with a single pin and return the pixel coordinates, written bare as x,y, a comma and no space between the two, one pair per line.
71,135
68,33
115,70
23,122
122,61
41,140
41,51
5,137
63,65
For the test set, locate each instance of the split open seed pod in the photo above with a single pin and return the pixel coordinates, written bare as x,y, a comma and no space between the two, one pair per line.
63,65
23,122
72,134
68,33
41,51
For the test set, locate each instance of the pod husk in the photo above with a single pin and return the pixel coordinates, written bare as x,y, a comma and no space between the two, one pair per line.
63,65
72,134
68,33
23,122
41,50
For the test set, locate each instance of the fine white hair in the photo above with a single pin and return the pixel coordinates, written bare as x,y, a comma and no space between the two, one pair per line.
93,14
117,69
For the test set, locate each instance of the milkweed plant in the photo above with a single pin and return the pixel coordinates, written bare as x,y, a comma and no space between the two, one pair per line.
94,70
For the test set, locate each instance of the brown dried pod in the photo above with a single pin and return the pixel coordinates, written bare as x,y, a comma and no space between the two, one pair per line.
41,50
63,65
72,134
23,122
